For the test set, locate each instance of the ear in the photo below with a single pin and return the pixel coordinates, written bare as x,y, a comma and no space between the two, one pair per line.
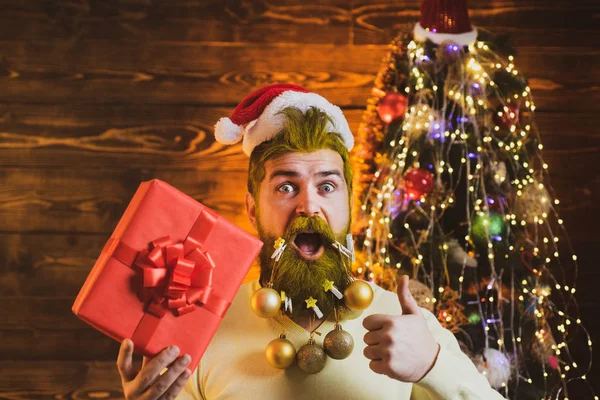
350,206
251,209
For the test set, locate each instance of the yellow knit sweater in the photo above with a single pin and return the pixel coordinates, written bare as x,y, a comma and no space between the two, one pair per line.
234,365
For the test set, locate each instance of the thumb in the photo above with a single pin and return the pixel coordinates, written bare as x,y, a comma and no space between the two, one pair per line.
407,302
125,361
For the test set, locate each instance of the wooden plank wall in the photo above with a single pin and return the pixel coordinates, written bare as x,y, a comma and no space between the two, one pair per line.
98,95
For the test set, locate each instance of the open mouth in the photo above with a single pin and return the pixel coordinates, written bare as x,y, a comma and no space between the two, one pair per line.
309,245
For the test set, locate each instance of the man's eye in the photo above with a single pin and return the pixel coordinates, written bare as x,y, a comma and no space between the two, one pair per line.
327,187
286,188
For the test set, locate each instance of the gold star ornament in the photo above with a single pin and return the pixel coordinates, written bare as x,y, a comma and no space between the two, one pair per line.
310,302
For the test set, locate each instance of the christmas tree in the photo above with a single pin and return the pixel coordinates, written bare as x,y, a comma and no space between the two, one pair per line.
453,191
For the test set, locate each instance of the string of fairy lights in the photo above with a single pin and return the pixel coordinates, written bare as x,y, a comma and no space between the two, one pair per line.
465,140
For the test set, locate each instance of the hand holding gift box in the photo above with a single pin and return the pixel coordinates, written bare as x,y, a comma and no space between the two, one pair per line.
167,274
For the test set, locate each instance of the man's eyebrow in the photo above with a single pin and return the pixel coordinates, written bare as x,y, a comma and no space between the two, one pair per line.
324,174
295,174
283,172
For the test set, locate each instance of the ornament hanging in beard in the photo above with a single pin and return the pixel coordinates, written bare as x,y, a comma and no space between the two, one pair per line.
266,301
311,358
280,353
358,295
338,343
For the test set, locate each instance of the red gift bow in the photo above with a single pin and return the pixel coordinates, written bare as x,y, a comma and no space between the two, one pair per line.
173,280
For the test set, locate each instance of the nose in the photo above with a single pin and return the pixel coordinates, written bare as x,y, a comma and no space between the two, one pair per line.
308,204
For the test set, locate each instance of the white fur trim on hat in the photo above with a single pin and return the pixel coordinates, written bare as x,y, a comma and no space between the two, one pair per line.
270,123
227,132
464,39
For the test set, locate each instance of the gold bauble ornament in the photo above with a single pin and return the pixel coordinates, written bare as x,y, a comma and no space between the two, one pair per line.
311,358
338,344
280,352
348,314
533,203
418,121
358,295
265,302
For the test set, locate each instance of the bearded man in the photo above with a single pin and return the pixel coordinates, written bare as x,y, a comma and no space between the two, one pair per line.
299,189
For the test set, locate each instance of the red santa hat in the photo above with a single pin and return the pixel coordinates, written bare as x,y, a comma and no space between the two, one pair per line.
257,117
445,20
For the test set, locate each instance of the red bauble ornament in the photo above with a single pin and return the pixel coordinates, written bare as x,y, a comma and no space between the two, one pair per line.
418,182
391,107
506,116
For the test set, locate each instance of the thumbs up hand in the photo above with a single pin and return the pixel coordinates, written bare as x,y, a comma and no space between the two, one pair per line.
400,346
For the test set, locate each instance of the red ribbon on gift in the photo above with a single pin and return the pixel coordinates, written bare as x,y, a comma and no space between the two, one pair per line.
176,277
174,280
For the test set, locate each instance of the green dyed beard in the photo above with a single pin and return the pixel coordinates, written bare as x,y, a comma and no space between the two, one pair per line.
300,278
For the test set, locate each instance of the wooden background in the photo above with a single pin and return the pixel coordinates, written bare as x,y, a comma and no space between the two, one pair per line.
99,95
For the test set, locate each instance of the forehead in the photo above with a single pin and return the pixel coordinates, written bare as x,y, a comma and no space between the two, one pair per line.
306,163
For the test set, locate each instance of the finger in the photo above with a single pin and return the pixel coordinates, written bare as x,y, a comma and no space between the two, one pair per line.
376,321
178,385
378,366
373,352
155,366
372,338
407,302
145,361
125,361
166,380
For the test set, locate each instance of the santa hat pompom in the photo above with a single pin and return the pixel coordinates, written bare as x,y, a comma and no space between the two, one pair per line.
227,132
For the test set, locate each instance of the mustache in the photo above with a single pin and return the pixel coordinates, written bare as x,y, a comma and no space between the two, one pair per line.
309,224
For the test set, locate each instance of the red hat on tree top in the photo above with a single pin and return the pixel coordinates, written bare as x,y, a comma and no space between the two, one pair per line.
257,118
445,20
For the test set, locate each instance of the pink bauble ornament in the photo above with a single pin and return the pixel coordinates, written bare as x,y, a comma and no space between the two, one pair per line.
553,362
391,107
418,182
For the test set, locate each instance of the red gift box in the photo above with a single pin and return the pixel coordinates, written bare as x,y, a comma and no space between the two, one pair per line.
167,274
